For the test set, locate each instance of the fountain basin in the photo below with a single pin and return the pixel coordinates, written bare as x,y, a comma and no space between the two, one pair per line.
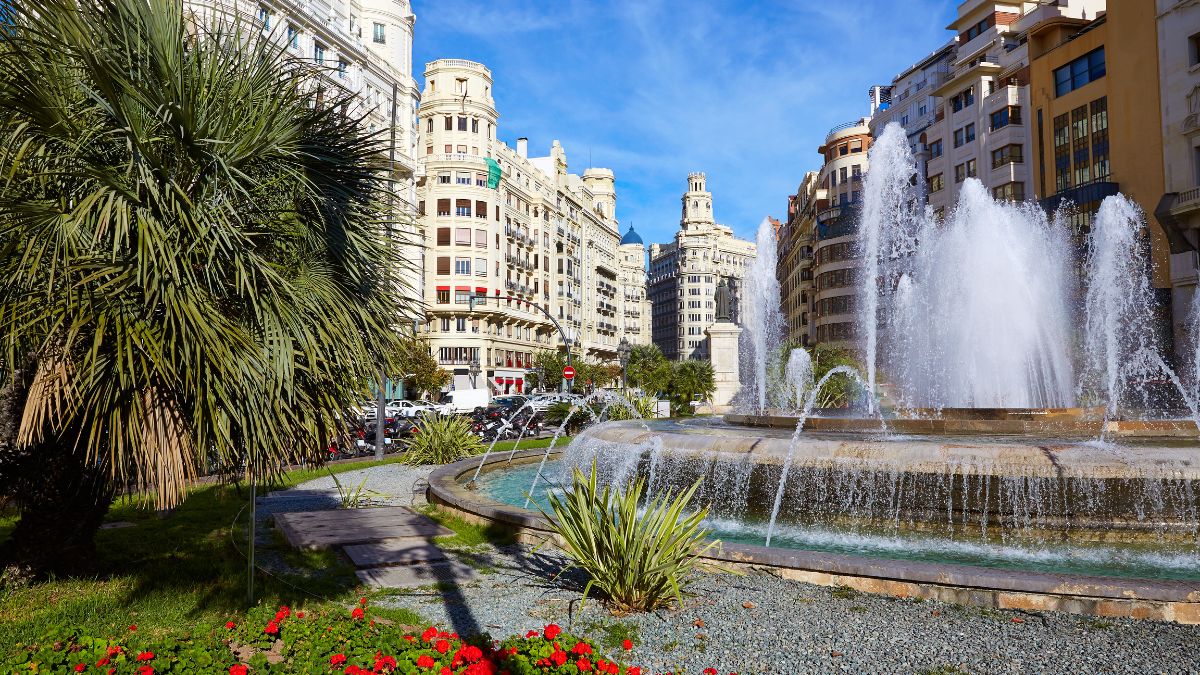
1061,423
1173,599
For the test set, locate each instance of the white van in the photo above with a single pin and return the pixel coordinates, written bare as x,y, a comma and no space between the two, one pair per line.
465,400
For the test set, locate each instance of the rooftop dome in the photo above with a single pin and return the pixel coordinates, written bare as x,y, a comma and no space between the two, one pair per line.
631,237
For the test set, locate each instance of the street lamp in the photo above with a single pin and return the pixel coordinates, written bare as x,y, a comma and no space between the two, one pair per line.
474,370
623,350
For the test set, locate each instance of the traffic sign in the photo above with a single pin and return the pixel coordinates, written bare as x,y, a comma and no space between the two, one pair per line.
568,372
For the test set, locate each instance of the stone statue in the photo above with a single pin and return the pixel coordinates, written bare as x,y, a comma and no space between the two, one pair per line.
722,300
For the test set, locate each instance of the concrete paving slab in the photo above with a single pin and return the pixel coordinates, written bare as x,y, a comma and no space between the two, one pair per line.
394,552
322,529
410,576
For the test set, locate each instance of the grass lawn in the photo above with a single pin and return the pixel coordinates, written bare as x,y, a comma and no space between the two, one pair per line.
186,572
175,575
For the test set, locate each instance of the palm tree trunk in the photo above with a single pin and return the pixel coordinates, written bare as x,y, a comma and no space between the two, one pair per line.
61,497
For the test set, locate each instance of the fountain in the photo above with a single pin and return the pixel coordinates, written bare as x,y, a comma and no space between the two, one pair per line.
763,324
1031,451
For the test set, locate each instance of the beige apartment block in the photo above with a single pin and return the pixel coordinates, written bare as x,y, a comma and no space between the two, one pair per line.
1178,24
684,275
795,267
835,267
521,255
635,312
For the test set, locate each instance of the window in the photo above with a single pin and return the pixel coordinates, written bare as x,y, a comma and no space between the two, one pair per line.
958,138
935,148
1085,69
342,66
443,178
462,207
443,236
1194,49
462,124
379,35
443,207
462,297
936,183
429,125
460,85
264,15
978,29
463,177
293,35
481,210
449,124
971,169
443,297
960,173
462,235
481,238
963,99
443,265
481,267
1013,192
1100,165
1009,154
460,324
474,125
969,130
319,53
1006,116
462,265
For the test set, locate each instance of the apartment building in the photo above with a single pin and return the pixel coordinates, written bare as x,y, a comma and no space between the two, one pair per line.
684,275
1178,209
523,255
636,311
794,270
835,266
911,103
1097,124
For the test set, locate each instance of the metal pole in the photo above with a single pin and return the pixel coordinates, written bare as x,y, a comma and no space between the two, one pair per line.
379,416
250,557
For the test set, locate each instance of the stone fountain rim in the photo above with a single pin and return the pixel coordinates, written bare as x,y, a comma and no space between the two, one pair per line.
900,577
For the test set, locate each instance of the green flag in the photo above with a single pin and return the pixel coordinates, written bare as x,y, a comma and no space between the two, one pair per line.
494,173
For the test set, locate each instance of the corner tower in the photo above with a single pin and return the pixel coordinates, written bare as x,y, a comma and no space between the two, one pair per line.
697,202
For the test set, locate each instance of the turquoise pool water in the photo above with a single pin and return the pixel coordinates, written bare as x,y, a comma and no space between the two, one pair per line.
1151,560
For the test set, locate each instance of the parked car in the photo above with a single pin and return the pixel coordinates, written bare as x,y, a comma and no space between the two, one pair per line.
543,401
464,400
403,408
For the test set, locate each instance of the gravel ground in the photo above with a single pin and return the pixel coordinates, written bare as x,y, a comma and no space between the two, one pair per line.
760,623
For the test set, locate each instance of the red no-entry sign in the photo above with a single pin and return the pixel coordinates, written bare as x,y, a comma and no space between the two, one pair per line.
569,372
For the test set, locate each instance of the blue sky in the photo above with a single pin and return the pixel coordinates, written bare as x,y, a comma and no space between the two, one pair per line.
654,89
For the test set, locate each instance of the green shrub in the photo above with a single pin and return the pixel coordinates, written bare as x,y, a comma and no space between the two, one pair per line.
441,439
638,407
558,412
638,559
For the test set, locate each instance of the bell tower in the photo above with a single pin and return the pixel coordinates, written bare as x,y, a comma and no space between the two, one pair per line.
697,202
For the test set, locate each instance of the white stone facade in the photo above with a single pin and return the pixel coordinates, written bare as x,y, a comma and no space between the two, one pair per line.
684,275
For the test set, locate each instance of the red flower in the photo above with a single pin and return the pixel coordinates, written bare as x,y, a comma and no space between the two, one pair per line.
238,669
442,646
362,601
552,631
445,671
481,668
559,657
583,665
272,628
410,638
429,634
626,645
283,613
710,671
581,648
337,659
471,653
103,662
299,615
133,627
146,670
357,613
633,670
532,634
426,661
114,650
145,656
384,662
229,625
79,667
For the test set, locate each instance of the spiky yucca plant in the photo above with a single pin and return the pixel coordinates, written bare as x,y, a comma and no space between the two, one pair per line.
199,263
441,439
638,557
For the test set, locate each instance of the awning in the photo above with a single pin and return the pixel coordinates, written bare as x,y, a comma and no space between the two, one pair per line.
494,173
481,289
443,288
462,288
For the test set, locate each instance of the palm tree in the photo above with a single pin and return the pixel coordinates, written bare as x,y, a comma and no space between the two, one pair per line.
199,262
691,380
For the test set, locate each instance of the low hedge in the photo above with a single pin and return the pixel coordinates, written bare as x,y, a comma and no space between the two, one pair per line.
345,643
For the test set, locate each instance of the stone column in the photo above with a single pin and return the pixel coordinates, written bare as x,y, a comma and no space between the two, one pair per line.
723,352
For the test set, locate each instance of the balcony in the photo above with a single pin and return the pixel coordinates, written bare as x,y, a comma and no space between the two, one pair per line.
1083,194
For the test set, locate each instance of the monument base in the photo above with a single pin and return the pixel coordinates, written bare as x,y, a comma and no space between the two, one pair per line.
723,352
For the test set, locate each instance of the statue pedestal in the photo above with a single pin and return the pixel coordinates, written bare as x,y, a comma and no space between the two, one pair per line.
723,352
